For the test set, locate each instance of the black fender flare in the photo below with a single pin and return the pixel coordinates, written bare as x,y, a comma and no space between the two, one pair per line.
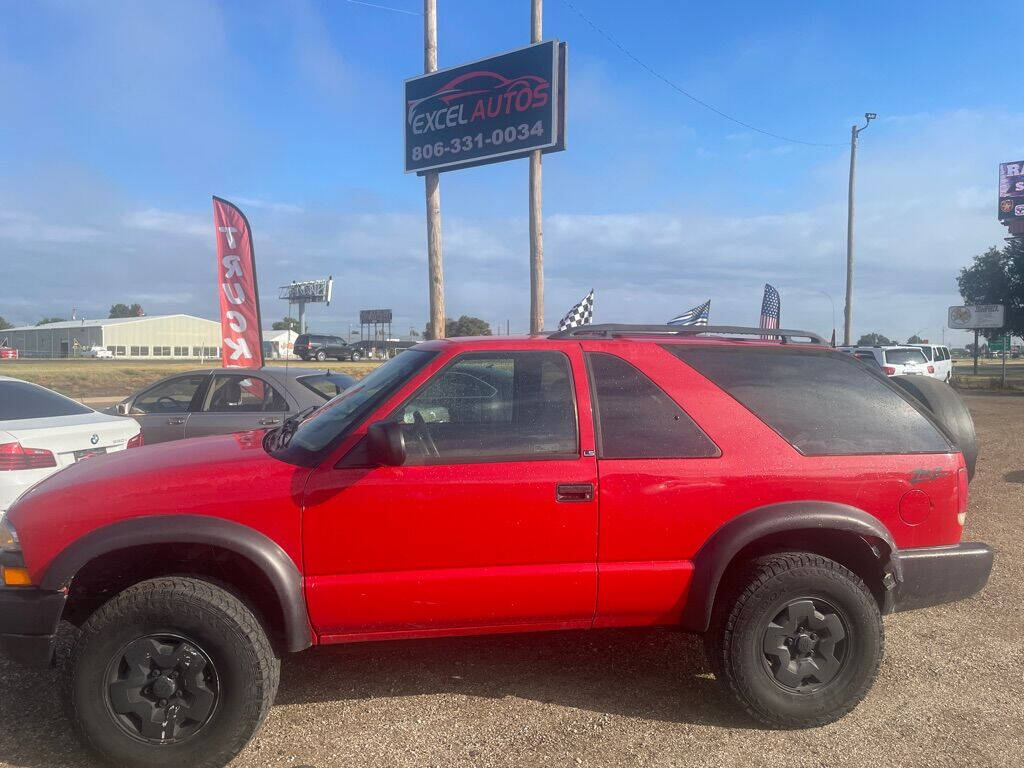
264,553
723,545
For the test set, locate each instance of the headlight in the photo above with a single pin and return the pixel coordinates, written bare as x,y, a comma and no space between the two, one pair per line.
8,537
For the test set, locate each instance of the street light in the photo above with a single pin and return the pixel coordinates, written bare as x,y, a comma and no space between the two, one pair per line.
848,314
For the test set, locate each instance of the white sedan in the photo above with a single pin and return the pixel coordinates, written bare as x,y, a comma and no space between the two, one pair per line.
42,432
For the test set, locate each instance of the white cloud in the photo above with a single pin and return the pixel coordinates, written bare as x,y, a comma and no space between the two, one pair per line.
169,222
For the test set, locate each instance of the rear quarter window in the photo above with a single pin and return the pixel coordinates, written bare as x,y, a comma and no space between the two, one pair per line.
822,403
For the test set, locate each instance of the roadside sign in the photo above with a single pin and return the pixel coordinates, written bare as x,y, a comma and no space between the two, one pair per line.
499,108
996,345
372,316
1011,191
977,316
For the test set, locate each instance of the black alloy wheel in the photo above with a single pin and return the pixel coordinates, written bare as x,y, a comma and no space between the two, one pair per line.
806,645
162,688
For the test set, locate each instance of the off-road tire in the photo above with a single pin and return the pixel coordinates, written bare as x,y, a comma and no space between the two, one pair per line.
736,639
214,621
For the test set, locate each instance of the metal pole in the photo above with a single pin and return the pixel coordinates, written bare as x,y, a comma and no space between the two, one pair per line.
848,312
1006,343
302,316
432,184
536,226
975,351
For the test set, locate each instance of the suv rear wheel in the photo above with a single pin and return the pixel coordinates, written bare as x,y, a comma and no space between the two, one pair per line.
172,671
321,355
798,642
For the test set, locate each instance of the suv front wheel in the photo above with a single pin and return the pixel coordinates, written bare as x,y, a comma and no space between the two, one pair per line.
798,641
171,672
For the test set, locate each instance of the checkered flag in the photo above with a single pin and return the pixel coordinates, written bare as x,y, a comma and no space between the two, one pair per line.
581,314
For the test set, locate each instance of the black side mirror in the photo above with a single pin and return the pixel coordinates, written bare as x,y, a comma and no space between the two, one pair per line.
385,444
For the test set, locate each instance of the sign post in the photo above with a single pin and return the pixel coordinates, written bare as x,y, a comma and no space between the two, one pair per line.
536,226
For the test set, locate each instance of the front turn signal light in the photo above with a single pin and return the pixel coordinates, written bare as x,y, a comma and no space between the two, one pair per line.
16,577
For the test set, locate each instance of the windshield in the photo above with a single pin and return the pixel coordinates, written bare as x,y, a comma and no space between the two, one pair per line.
327,385
904,356
322,431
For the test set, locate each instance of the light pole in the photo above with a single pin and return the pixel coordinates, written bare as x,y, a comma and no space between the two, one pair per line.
833,303
848,313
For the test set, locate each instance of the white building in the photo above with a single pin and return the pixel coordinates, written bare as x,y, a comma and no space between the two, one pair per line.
155,336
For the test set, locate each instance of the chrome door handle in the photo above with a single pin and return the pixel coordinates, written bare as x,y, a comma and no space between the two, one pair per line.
268,421
176,420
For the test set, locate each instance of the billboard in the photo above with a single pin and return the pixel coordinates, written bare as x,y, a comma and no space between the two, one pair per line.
371,316
495,109
978,316
308,291
1011,191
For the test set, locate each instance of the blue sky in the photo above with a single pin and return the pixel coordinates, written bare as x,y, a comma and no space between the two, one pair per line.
121,119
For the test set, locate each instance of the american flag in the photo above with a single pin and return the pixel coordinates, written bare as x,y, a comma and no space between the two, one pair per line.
770,309
696,316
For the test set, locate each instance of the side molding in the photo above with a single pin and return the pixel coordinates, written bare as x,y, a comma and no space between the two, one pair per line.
724,544
257,548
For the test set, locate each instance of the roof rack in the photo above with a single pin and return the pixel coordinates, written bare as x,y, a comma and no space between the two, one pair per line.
616,330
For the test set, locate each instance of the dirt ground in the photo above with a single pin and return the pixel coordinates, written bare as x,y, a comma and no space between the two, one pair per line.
950,691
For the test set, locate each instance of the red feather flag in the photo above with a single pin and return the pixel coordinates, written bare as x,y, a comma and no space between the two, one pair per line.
242,337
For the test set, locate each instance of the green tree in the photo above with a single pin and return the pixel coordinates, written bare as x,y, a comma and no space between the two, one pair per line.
873,340
915,339
466,325
287,324
4,324
48,320
997,277
123,310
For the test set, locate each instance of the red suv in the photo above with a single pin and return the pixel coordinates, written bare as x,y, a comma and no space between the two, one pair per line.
773,494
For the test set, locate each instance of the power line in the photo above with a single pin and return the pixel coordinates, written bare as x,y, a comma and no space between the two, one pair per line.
385,8
650,70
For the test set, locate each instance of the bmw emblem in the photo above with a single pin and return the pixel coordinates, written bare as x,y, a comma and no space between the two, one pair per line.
94,439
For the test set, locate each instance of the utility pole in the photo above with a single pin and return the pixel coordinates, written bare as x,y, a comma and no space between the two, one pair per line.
435,266
848,312
536,228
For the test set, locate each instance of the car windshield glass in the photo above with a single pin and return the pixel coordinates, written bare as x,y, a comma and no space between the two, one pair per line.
21,400
904,356
327,385
326,426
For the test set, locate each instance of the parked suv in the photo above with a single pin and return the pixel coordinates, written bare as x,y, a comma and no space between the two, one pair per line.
940,363
895,360
311,346
607,476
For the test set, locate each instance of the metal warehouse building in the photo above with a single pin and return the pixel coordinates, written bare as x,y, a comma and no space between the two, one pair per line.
160,336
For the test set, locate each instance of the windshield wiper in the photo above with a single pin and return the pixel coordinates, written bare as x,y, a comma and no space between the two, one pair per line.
283,434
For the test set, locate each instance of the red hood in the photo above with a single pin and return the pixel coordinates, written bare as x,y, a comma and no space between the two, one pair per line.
225,476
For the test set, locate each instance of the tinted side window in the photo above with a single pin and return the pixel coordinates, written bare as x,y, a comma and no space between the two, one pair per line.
242,394
823,404
491,406
173,396
636,419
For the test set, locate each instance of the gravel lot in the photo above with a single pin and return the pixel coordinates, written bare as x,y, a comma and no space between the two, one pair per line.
950,693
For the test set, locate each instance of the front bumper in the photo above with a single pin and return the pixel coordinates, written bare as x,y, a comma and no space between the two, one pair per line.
936,575
28,622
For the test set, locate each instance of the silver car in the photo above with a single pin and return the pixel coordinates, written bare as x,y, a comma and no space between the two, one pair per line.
216,401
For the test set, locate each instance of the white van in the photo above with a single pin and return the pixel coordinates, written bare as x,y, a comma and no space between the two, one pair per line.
938,359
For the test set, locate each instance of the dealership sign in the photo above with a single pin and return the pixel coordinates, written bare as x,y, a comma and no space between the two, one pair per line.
978,316
496,109
374,316
1011,191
